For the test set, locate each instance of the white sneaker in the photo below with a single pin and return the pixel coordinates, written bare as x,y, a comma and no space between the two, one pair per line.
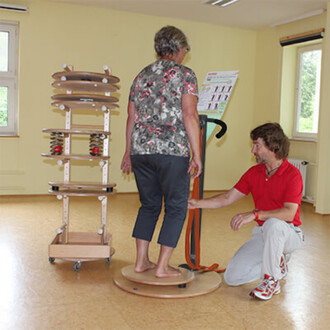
266,289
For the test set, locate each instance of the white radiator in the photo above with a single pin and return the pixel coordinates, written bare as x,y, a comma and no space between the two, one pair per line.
301,165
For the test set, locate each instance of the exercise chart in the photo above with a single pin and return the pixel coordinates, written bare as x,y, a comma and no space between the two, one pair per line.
214,95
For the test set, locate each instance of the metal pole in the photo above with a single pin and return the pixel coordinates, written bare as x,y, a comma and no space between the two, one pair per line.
203,126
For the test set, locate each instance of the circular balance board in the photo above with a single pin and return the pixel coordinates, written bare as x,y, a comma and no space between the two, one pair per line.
84,101
203,283
85,86
82,75
79,185
84,98
148,277
84,105
80,193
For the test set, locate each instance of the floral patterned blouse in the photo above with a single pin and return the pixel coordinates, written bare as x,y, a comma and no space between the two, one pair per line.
158,125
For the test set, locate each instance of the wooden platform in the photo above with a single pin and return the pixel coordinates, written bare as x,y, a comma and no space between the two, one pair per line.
202,283
80,246
75,156
74,131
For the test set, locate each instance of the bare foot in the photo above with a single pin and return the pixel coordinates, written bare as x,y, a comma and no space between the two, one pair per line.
144,267
168,272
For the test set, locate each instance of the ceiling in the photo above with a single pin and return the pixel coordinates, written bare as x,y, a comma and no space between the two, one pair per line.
245,14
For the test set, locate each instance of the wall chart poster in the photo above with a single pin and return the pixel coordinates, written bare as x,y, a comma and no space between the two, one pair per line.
216,91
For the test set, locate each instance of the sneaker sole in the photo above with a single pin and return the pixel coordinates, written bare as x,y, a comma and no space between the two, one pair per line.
253,295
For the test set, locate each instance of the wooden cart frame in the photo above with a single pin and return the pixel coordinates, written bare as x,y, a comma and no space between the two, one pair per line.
82,246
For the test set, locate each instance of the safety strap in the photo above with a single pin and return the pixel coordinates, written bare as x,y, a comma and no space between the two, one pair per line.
194,214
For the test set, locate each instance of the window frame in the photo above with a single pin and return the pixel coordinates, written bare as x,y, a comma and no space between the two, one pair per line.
295,133
9,78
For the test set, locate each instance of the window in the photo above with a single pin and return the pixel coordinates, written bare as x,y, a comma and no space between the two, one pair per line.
307,91
8,79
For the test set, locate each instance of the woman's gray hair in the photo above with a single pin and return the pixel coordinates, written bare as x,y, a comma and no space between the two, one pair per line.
168,41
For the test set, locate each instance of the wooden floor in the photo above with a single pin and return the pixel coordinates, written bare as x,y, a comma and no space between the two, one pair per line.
35,294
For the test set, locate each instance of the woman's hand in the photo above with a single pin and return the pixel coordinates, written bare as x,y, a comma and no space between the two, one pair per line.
126,165
195,167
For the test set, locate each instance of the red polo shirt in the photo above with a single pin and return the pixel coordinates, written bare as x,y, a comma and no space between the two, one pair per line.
285,186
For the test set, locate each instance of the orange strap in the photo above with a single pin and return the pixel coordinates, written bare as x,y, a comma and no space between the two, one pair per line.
194,213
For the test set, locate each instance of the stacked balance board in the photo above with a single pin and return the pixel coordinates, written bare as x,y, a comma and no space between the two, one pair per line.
89,86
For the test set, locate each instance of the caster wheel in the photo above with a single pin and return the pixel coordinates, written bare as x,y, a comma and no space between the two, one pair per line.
107,260
51,260
77,266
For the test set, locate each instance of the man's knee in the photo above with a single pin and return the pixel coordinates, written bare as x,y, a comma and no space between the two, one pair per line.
240,271
231,278
274,225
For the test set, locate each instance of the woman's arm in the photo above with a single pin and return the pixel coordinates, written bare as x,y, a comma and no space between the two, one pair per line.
126,162
192,126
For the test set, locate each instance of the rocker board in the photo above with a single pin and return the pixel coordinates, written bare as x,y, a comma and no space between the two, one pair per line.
79,192
86,86
79,185
85,98
84,101
81,189
88,76
84,105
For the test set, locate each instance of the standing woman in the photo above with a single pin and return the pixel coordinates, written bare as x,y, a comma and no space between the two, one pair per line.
162,147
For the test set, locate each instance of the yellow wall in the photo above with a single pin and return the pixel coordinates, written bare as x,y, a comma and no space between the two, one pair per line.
87,37
323,150
268,89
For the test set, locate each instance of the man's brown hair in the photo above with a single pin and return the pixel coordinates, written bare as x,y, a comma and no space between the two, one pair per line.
274,138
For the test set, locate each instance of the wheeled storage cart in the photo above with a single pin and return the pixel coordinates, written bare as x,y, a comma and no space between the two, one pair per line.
82,90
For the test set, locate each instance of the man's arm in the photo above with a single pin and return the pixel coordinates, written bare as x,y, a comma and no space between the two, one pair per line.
285,213
191,124
217,201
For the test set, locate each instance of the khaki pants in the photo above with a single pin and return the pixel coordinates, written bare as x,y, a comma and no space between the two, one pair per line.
262,253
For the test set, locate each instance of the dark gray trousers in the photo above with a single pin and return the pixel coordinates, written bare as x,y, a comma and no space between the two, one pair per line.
158,177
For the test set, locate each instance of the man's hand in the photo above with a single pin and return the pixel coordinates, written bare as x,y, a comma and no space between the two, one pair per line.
241,219
192,203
